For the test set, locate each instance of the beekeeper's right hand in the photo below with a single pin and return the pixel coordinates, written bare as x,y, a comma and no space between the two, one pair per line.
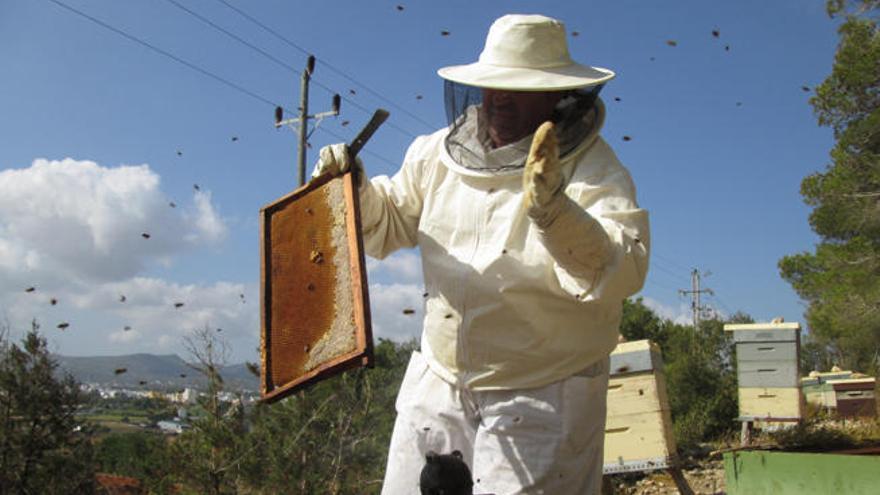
335,160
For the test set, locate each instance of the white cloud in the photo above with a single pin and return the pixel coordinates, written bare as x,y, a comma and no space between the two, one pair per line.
209,226
98,317
404,266
680,314
387,305
124,336
166,341
73,230
72,219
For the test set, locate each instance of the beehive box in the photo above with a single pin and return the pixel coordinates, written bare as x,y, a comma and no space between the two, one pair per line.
767,370
818,390
638,425
855,397
315,308
818,393
770,403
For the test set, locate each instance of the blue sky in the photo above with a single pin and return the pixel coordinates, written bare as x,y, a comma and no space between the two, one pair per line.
101,133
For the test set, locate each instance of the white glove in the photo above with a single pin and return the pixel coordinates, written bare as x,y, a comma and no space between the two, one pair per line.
334,160
542,178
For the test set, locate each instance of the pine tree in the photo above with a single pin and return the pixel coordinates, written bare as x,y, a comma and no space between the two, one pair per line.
841,280
44,448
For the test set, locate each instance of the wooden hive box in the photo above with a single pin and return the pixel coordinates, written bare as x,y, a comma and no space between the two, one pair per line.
638,425
818,392
767,370
827,376
769,404
855,397
315,307
817,389
764,332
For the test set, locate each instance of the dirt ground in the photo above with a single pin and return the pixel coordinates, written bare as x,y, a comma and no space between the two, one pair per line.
705,477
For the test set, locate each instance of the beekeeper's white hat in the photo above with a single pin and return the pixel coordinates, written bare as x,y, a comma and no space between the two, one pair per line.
526,53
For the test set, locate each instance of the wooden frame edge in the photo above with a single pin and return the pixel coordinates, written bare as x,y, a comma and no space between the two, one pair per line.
363,354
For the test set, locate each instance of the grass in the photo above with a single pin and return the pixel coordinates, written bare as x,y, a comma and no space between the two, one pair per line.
118,426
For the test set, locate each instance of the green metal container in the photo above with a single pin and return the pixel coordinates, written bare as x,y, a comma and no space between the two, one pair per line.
787,473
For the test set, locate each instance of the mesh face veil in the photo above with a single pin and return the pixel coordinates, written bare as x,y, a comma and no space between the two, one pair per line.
468,142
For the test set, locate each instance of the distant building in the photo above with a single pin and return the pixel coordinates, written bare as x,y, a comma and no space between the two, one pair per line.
172,427
186,396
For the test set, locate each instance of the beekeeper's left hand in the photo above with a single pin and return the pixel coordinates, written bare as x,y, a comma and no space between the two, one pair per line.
542,179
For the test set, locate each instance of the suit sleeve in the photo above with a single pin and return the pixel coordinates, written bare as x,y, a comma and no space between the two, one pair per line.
391,207
600,239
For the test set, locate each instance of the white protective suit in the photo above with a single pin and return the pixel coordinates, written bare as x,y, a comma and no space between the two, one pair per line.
502,312
521,313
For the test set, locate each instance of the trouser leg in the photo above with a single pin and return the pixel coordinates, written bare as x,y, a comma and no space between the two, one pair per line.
548,440
430,416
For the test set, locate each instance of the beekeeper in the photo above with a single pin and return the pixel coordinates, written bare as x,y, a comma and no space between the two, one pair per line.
527,260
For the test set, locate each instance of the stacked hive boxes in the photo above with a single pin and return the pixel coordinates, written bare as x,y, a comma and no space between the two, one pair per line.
818,390
855,397
767,371
638,426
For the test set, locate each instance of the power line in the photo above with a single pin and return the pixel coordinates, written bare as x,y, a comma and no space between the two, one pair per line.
233,36
165,53
196,68
279,62
670,261
331,67
668,271
658,284
721,302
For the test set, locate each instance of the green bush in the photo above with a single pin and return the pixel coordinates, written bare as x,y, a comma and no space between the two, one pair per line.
141,455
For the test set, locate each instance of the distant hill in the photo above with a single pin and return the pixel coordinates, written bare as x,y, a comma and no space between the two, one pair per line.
159,371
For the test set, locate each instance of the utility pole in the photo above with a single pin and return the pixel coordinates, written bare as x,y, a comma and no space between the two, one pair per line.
303,119
695,292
